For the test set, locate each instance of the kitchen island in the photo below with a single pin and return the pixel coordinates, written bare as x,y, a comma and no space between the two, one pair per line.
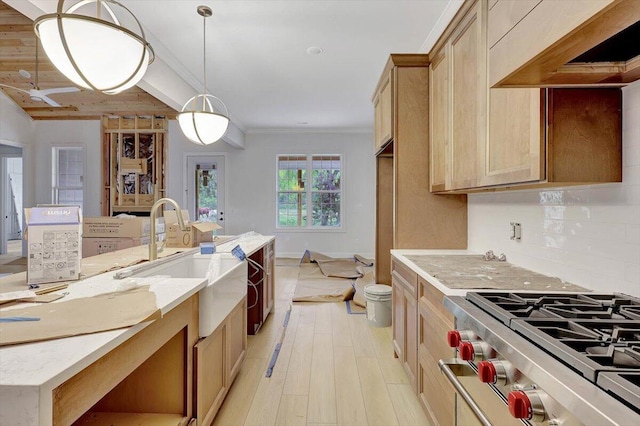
147,369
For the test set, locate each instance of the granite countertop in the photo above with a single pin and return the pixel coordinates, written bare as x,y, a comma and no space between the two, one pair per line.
454,272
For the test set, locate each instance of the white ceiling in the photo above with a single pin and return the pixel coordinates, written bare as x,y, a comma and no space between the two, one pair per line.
257,56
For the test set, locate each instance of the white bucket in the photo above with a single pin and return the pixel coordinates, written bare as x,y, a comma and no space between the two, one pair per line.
378,299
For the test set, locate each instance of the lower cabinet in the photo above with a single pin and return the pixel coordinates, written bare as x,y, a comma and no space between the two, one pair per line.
405,318
218,358
436,394
269,280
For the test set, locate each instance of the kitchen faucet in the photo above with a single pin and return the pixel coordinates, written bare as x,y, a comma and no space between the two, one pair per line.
153,246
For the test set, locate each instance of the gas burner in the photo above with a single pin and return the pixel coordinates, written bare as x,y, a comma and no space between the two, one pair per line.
587,345
511,306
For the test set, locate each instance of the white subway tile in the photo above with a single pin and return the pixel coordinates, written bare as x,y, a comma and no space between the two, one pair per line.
587,235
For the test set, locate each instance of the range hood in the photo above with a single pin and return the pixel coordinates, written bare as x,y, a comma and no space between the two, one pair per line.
602,49
614,61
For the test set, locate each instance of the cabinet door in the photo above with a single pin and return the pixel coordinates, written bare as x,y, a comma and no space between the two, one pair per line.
269,292
434,321
439,120
514,151
237,339
469,91
383,106
211,378
397,307
411,337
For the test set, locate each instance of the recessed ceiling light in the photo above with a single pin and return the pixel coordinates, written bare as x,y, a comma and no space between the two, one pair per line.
25,73
314,50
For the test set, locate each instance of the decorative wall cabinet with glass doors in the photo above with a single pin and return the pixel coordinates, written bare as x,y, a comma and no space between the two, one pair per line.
133,158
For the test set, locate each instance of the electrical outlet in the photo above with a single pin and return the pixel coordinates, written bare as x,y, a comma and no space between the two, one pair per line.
516,231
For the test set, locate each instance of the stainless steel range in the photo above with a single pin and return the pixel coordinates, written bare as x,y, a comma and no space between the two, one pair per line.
557,359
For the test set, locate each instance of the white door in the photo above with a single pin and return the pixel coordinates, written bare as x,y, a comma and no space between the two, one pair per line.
205,189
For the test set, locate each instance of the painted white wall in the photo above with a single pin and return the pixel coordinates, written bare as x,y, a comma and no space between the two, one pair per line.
69,133
251,185
588,235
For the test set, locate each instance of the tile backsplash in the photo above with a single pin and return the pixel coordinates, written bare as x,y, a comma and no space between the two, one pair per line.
587,235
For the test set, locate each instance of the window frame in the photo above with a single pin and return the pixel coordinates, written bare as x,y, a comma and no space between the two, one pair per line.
55,172
308,191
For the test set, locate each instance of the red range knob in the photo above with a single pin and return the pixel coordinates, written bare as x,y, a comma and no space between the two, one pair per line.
453,338
520,405
487,372
466,351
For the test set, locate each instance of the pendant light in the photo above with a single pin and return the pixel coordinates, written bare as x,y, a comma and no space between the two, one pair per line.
97,44
204,118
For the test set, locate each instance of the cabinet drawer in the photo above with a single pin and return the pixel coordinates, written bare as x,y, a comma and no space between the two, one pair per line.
435,297
432,333
436,394
405,276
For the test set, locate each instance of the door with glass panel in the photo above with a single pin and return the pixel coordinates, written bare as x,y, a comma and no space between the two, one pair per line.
205,189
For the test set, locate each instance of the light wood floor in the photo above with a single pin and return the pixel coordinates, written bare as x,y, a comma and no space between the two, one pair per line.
333,369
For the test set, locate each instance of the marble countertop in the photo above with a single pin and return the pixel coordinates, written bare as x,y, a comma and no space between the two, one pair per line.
456,272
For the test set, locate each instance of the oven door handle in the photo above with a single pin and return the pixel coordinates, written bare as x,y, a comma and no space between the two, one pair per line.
445,368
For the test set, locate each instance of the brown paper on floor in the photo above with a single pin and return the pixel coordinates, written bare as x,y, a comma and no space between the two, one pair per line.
87,315
331,267
361,283
323,290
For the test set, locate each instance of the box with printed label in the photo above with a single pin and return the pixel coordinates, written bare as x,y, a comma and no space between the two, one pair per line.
54,249
196,232
120,227
95,246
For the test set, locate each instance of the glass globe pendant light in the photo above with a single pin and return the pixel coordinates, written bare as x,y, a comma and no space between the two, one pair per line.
97,44
204,118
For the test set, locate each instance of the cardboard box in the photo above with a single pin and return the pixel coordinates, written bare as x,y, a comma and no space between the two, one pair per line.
196,233
54,249
120,227
96,246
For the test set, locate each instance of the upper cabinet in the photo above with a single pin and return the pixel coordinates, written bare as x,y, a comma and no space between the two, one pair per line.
457,100
383,107
550,42
487,138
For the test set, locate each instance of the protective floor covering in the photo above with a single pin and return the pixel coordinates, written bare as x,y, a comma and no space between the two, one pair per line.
325,279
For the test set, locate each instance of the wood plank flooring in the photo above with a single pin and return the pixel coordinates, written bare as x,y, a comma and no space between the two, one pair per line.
333,369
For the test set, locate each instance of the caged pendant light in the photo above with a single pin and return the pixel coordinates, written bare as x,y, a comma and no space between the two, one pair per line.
204,118
97,44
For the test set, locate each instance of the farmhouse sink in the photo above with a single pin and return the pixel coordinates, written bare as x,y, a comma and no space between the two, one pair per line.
226,283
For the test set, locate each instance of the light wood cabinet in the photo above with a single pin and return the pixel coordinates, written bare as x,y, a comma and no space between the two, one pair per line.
439,118
383,110
458,102
407,215
434,321
514,149
405,318
218,358
269,280
468,97
148,377
499,138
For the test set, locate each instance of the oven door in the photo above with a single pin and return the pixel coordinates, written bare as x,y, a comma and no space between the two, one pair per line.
477,403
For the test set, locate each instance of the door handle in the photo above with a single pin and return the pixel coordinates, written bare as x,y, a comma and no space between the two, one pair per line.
452,377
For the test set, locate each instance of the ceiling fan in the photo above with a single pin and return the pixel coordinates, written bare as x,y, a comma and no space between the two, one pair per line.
41,95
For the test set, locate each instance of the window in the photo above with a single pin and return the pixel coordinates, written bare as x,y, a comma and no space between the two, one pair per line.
314,202
68,171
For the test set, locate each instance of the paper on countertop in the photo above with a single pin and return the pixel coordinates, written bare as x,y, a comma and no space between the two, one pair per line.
15,295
